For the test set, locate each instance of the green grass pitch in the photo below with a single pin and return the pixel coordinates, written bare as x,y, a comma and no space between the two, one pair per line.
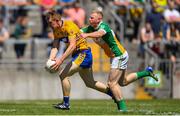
91,107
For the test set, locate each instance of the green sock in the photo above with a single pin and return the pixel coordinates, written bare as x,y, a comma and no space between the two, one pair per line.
142,74
121,105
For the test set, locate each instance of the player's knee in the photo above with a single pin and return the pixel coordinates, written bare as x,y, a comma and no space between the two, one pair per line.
111,84
61,76
123,83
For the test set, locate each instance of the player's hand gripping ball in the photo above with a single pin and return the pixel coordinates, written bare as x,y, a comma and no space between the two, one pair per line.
49,65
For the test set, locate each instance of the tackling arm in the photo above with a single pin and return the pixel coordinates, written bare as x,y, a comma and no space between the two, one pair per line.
96,34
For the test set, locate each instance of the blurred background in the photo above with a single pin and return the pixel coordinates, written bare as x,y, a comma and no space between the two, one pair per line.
148,29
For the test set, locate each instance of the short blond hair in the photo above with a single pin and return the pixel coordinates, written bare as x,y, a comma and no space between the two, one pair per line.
97,11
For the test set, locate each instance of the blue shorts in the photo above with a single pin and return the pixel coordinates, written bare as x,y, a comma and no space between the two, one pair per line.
83,58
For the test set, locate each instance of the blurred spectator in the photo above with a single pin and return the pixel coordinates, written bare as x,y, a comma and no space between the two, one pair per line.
173,32
22,31
122,3
4,12
76,14
134,8
6,2
161,5
21,10
136,11
156,19
146,35
171,14
66,2
4,35
45,5
173,37
121,7
173,44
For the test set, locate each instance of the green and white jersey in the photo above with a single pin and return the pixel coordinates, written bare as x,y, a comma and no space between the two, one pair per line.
109,38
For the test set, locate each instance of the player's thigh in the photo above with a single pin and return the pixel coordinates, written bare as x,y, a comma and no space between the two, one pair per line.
87,76
69,70
118,68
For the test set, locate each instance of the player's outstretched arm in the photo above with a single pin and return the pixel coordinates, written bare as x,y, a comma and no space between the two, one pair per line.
96,34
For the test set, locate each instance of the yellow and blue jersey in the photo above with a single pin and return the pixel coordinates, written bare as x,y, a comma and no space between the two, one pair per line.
82,54
69,30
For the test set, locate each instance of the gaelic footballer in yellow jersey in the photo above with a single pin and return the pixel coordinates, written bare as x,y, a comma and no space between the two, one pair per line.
81,62
69,30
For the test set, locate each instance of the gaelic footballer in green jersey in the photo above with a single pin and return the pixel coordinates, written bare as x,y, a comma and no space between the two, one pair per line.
109,38
101,30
